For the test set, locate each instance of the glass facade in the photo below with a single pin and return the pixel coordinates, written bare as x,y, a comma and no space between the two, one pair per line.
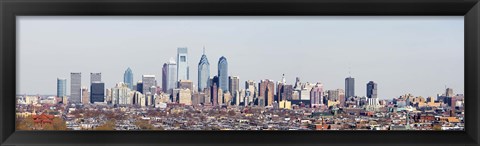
128,78
203,73
61,87
223,74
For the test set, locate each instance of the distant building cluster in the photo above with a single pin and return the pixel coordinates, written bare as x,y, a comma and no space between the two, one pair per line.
225,90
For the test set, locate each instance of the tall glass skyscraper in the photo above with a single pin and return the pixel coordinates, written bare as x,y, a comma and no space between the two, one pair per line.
349,87
203,72
128,78
164,77
61,87
182,64
97,92
172,75
223,74
75,87
371,89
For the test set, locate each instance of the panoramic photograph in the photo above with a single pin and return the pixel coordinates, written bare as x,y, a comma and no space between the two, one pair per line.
246,73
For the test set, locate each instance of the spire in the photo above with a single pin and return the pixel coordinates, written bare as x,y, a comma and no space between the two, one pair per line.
203,50
283,79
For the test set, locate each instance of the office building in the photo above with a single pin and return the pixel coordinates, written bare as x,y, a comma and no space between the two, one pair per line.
140,86
266,90
185,96
214,91
97,92
203,72
185,84
171,76
61,87
223,74
371,89
148,81
234,84
250,91
349,87
128,78
95,77
85,96
182,64
75,88
316,95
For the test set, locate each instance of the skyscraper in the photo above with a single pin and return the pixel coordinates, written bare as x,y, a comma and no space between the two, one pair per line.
250,91
316,95
95,77
140,86
61,87
182,64
148,81
128,78
97,92
203,72
165,77
75,87
214,90
233,84
371,89
185,84
349,87
223,74
171,76
85,96
266,91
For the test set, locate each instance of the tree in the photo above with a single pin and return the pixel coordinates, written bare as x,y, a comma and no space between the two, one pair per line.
24,123
144,125
109,125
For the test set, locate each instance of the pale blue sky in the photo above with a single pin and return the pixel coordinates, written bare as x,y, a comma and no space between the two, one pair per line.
414,54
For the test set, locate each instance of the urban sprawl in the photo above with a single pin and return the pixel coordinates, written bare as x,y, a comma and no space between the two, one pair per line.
219,103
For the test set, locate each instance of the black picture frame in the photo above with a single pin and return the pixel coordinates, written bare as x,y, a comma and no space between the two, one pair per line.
9,9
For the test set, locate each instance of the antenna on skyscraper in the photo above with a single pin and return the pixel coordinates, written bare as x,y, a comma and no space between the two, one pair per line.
349,72
203,50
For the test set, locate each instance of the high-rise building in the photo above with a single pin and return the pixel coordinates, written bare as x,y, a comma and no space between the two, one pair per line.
97,92
234,84
449,92
75,87
185,84
95,77
250,91
266,90
85,96
349,87
128,78
148,81
341,97
213,91
108,96
371,89
61,87
164,77
182,64
171,76
140,86
332,95
203,72
316,95
223,74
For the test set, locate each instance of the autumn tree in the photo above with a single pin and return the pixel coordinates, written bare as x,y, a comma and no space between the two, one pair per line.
109,125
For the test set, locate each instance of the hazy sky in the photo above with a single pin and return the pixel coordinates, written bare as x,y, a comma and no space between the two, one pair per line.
416,54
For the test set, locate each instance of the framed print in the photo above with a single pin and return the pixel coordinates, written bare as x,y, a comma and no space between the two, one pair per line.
309,72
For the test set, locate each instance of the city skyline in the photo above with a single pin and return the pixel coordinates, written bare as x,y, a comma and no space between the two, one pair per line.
331,80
